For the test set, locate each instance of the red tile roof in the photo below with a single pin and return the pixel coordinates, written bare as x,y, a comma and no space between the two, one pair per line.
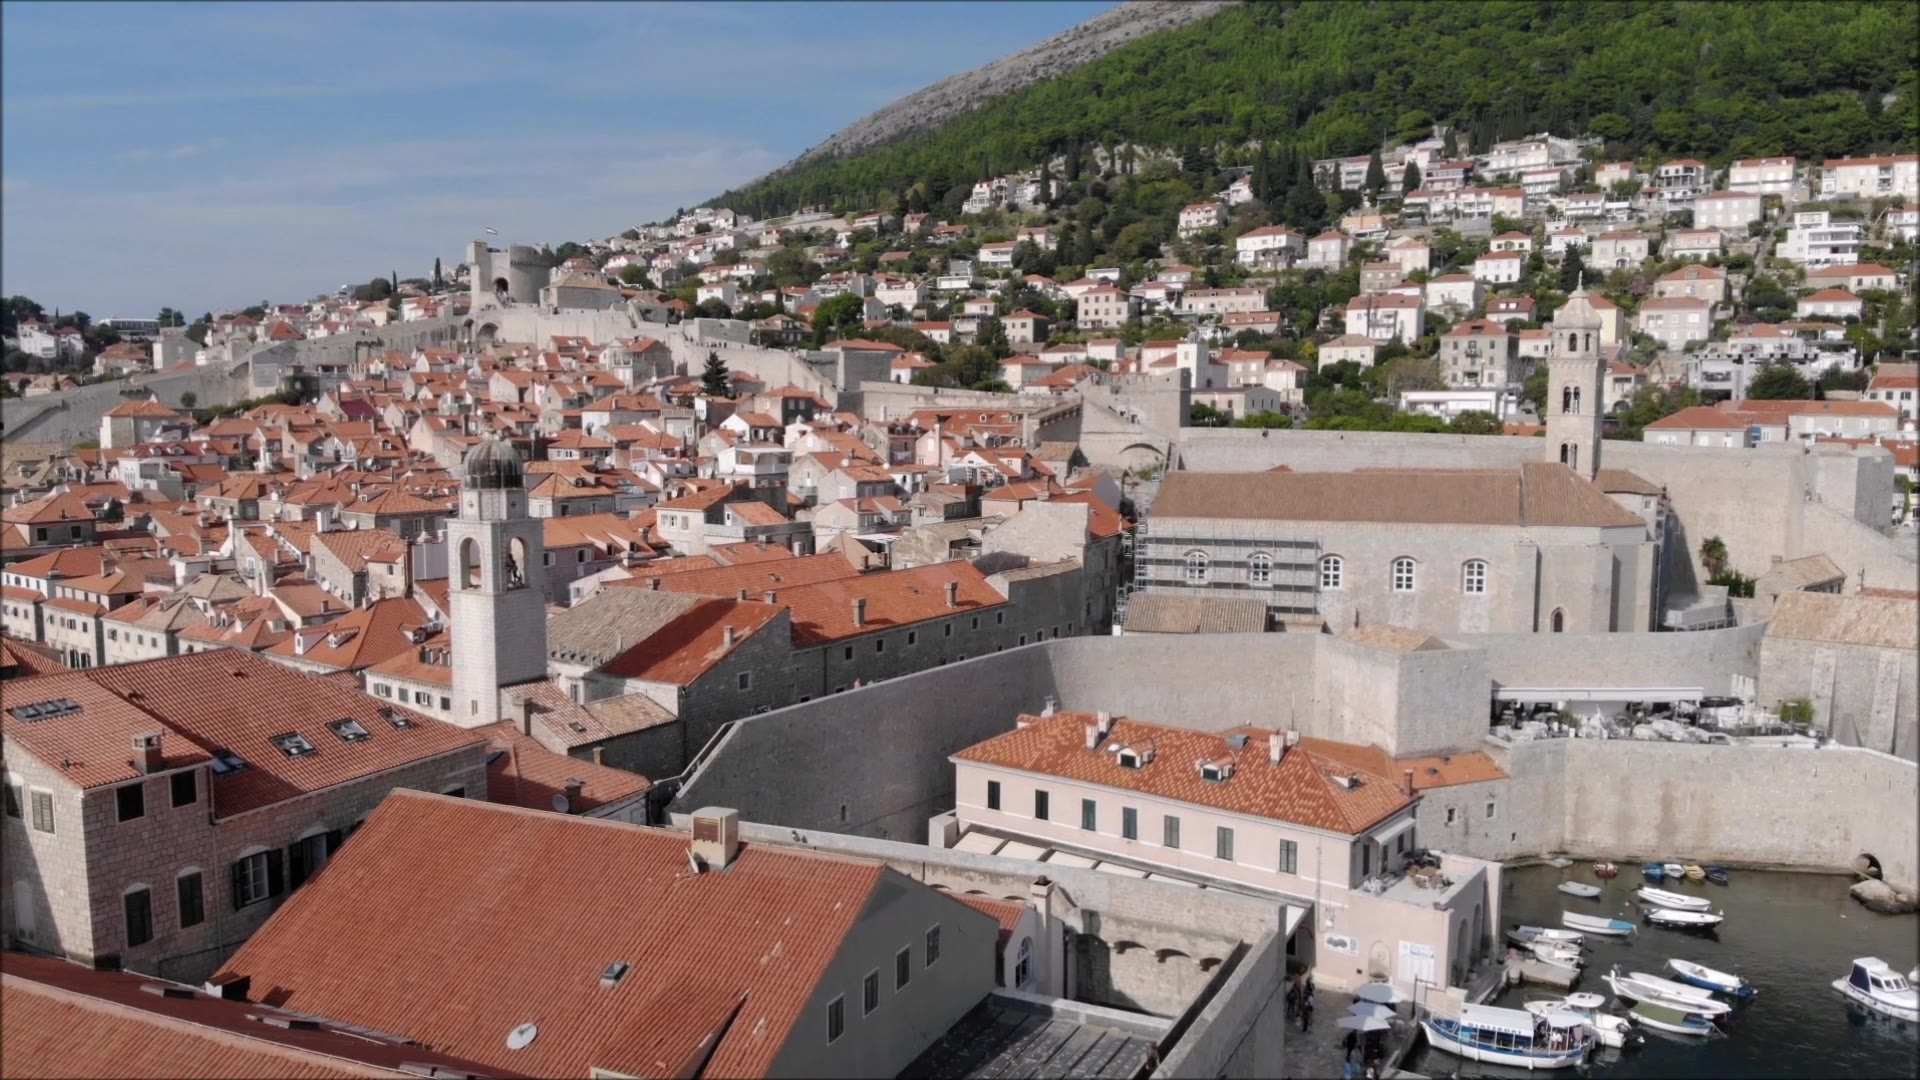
755,939
361,638
824,611
523,772
687,647
1301,789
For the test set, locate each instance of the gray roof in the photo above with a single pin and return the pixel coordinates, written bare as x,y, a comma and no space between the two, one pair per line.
613,620
994,1040
1538,494
1164,613
1880,621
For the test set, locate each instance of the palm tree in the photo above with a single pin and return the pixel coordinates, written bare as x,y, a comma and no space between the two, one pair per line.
1713,555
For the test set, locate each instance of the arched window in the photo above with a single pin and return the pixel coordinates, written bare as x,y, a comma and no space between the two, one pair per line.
1260,569
1570,455
1589,338
1332,572
1197,567
1576,401
1559,621
515,570
1573,342
1473,578
1023,964
1403,575
469,563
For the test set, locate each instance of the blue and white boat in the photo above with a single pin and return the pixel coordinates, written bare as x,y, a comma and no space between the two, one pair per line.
1514,1037
1668,1018
1708,979
1877,986
1654,871
1595,924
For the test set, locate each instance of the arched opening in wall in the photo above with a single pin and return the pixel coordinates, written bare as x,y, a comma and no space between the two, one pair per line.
1377,966
1481,946
1866,864
486,335
1461,963
1559,621
500,286
469,563
1589,338
1570,455
1164,955
515,570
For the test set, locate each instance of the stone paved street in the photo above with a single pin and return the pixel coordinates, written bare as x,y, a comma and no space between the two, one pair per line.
1316,1054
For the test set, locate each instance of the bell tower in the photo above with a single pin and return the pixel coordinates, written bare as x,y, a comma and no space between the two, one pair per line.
1576,386
497,561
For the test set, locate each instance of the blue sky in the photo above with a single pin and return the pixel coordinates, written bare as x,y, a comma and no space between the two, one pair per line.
216,155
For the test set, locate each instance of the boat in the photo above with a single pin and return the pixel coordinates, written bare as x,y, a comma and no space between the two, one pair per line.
1558,954
1559,863
1653,871
1612,1031
1716,874
1684,920
1707,978
1642,987
1575,888
1695,873
1668,1018
1521,935
1559,1040
1674,870
1878,987
1593,924
1672,900
1604,869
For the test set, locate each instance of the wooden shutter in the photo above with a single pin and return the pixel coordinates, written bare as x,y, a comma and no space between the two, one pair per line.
276,880
296,864
334,839
239,884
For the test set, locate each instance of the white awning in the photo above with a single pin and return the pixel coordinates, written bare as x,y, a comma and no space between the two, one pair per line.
1549,694
1385,837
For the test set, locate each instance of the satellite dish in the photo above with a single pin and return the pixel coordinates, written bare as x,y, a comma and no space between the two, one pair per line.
560,805
521,1037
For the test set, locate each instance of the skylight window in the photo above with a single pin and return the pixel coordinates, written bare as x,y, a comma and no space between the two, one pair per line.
44,710
226,761
396,719
293,744
349,730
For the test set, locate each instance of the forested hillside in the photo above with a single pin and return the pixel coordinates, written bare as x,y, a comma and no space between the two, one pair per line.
1714,80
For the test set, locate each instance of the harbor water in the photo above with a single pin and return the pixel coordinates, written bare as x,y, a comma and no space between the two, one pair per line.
1789,935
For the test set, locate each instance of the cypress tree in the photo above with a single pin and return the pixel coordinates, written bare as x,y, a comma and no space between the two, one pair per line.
1376,175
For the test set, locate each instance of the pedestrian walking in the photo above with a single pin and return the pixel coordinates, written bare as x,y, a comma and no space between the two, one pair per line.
1293,998
1352,1041
1306,1011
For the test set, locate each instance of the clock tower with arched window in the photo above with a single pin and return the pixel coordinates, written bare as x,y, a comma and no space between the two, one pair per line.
497,561
1576,386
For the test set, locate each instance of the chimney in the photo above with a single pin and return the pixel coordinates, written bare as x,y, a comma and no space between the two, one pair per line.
860,611
953,594
1093,736
716,837
1406,782
575,786
654,583
1040,890
232,989
524,707
1105,720
1276,748
732,636
146,750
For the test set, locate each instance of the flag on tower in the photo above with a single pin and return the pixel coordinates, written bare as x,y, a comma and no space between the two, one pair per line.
493,232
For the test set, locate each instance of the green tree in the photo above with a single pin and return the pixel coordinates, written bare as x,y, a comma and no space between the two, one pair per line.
1376,176
1779,382
635,274
170,317
439,282
1265,418
1573,269
1713,554
189,399
715,379
835,315
1477,422
1533,390
1201,414
1410,179
713,308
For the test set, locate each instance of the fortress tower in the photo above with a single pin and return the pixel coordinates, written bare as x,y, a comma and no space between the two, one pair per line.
1576,392
499,588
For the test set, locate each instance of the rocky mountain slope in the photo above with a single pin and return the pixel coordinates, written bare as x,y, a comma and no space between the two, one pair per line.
933,106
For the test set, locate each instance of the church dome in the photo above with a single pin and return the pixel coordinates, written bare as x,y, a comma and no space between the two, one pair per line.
492,464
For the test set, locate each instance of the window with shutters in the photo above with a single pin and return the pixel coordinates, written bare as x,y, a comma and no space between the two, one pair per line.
257,879
1223,843
1289,857
14,809
933,944
1039,806
993,795
192,897
836,1019
42,811
1089,815
903,968
1129,823
870,993
139,908
1170,832
307,855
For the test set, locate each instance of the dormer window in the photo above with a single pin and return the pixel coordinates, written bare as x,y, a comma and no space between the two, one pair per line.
348,729
1215,772
1128,759
292,744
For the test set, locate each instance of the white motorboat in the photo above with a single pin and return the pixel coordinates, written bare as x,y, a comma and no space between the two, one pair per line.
1674,871
1878,987
1684,920
1553,952
1613,1031
1707,978
1592,924
1668,1018
1672,901
1575,888
1634,988
1545,933
1560,1040
1560,863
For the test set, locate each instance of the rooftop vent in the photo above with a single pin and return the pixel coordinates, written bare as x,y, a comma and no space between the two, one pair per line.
396,718
226,761
1347,780
716,837
1237,742
184,993
614,973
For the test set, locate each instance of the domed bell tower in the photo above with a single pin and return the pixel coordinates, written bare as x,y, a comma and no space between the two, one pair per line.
497,560
1576,386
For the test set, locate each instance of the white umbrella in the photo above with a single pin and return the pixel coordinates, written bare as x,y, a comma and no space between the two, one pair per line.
1384,993
1368,1008
1364,1023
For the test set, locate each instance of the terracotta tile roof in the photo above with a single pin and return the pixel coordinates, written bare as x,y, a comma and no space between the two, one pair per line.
1542,494
355,548
69,1020
523,772
1301,789
91,745
703,946
1440,770
760,577
212,699
1884,622
1163,613
824,611
413,665
748,551
1698,418
1623,481
359,639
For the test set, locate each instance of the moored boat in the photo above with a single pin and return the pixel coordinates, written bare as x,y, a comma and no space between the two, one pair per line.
1516,1037
1707,978
1580,889
1668,1018
1612,1031
1559,863
1684,920
1877,986
1593,924
1716,874
1521,935
1605,869
1673,901
1647,988
1558,954
1673,870
1653,871
1695,873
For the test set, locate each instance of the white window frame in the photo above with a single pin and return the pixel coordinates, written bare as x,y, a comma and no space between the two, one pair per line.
259,886
1260,569
1406,575
1199,568
1333,572
1473,577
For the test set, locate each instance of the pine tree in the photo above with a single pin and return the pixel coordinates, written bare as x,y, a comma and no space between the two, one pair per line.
1450,146
715,379
1409,180
438,281
1262,181
1376,176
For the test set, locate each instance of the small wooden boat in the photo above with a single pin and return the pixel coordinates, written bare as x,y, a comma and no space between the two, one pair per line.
1695,873
1684,920
1605,869
1558,954
1672,900
1668,1018
1875,985
1716,874
1653,871
1592,924
1524,935
1656,991
1575,888
1614,1031
1559,863
1673,870
1707,978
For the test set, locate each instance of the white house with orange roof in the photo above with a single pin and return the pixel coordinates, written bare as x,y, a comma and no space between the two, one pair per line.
1329,250
1678,181
1897,385
1761,176
1880,177
1269,247
1196,218
1732,211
